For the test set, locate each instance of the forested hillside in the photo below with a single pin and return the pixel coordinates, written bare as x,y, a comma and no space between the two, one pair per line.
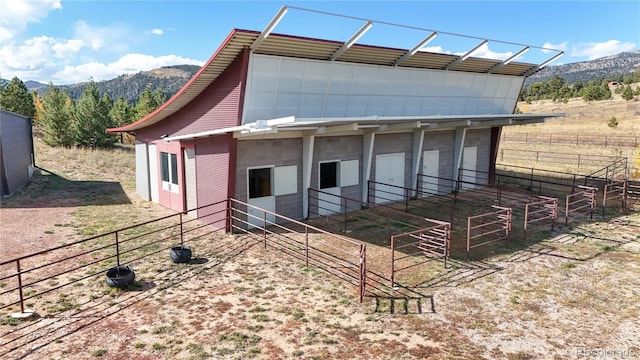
168,79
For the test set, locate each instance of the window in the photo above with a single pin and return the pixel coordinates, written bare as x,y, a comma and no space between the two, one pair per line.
169,171
329,174
260,182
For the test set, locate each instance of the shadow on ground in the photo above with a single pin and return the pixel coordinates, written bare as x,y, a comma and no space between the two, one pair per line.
48,189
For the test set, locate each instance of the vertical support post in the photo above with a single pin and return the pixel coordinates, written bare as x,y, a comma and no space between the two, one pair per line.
306,246
363,270
264,228
181,232
393,261
566,211
20,286
526,220
531,180
468,236
117,249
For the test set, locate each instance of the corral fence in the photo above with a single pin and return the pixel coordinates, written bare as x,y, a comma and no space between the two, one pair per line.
413,240
572,139
543,212
558,184
583,202
578,162
488,228
333,253
29,278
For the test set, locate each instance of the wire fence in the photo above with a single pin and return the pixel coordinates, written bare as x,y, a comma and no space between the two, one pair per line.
572,139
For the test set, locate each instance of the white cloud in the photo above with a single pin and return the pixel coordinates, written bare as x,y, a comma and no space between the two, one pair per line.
102,38
17,14
156,32
68,48
486,53
549,47
597,50
435,49
127,64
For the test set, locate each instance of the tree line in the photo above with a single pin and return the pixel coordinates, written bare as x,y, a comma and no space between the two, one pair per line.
557,89
67,122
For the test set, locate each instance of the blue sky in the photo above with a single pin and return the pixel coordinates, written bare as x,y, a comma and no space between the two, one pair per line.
66,42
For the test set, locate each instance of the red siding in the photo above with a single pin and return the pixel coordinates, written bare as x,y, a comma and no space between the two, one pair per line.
213,161
218,106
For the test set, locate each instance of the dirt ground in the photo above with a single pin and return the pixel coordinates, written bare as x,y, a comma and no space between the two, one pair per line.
572,295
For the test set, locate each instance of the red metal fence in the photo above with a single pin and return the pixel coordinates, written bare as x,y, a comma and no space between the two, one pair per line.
333,253
433,242
582,202
29,277
540,213
615,190
489,228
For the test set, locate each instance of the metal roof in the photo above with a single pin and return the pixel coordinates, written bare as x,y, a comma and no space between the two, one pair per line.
269,43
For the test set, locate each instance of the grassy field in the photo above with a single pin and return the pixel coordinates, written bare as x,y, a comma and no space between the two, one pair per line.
570,292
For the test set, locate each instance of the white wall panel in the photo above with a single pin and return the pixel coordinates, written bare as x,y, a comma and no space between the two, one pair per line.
402,82
316,78
290,76
314,88
362,80
264,73
349,173
341,77
285,180
357,105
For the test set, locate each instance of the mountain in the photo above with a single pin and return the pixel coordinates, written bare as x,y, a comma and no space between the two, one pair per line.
607,67
34,85
169,78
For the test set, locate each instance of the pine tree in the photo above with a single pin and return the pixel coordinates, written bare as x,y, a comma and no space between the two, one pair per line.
92,118
627,93
55,118
145,105
121,114
16,98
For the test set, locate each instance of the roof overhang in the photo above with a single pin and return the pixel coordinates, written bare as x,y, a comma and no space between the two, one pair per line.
268,43
357,125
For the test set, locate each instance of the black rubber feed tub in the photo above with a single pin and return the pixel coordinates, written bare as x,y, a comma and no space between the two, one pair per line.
180,254
120,276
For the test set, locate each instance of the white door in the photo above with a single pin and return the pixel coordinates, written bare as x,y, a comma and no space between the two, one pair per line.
430,166
389,171
469,159
260,192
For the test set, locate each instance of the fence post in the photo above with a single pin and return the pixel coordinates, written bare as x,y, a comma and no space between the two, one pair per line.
117,249
501,155
20,286
264,228
306,245
181,232
363,270
393,258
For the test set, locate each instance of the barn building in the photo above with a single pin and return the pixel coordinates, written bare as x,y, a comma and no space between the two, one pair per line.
270,116
16,152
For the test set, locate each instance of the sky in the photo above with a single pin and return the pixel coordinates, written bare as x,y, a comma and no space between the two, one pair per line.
64,42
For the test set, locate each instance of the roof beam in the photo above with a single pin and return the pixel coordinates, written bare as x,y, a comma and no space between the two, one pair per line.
541,66
416,48
267,30
466,56
510,59
352,41
400,126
